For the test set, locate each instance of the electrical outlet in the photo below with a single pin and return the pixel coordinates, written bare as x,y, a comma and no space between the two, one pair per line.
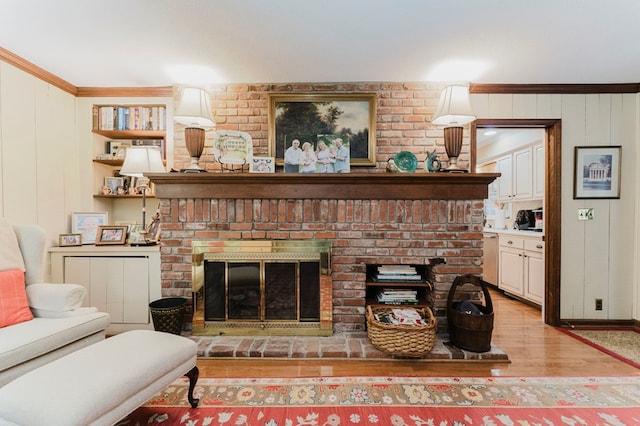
585,214
598,304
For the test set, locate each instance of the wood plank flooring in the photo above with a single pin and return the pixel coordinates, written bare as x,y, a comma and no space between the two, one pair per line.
535,349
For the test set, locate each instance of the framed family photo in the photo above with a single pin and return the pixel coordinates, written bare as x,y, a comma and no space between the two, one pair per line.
597,172
111,235
299,119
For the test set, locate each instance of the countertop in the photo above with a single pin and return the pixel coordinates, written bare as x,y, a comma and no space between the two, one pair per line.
513,232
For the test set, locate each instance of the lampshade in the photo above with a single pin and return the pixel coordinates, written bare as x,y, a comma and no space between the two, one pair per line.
142,159
454,107
194,108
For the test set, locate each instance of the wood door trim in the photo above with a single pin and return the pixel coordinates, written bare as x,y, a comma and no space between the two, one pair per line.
552,202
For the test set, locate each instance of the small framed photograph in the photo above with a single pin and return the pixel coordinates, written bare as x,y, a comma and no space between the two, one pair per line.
87,225
262,165
597,172
113,183
153,230
111,235
67,240
136,235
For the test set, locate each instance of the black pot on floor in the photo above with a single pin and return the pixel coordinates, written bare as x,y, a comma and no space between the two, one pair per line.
168,314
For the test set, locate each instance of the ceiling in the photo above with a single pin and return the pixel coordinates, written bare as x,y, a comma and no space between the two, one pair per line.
146,43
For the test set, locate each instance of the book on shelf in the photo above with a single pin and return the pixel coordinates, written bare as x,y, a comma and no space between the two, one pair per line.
397,296
129,117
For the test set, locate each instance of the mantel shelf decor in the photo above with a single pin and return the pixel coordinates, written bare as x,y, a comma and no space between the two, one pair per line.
403,186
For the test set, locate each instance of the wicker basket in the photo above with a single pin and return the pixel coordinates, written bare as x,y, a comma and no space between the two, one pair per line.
402,341
168,314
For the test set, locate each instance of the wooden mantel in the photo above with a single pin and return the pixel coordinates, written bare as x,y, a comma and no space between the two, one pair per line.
352,186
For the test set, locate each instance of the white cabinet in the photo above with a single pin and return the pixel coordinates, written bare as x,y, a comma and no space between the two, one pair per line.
538,171
521,266
534,270
522,174
119,280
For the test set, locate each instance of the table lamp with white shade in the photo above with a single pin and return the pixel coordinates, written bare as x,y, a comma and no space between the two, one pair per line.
139,160
454,111
194,112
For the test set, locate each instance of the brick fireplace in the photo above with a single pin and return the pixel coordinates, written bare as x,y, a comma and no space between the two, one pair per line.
370,218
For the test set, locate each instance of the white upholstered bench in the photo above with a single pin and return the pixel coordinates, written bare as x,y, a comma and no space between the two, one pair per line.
101,383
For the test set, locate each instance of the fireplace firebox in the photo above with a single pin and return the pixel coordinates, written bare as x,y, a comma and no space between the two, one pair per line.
262,287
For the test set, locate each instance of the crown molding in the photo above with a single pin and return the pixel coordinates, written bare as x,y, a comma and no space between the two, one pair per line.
36,71
122,92
554,88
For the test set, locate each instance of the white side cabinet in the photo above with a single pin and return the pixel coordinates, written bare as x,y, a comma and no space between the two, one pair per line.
119,280
521,266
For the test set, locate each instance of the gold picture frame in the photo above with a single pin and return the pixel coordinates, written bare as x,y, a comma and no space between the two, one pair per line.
314,117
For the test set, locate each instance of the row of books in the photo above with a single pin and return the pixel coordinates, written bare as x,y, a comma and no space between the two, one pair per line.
125,117
393,296
397,273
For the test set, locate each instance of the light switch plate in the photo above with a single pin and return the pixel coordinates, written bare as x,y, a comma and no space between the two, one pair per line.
585,214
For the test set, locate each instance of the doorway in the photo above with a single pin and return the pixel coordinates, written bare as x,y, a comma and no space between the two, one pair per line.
552,200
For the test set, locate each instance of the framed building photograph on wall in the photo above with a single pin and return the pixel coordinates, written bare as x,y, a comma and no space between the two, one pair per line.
296,119
597,172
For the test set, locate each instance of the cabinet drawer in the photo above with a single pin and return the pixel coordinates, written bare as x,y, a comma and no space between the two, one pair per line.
534,245
511,241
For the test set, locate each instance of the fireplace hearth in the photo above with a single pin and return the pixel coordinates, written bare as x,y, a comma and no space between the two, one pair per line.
262,287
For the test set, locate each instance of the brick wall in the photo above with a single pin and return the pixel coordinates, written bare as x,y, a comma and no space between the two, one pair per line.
362,231
404,113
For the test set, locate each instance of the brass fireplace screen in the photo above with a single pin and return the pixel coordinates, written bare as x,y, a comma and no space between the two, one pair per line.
279,287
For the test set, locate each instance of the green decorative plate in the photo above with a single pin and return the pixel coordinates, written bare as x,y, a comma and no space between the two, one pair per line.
406,162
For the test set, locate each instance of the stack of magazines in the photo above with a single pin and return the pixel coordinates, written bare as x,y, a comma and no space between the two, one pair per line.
397,273
400,296
401,317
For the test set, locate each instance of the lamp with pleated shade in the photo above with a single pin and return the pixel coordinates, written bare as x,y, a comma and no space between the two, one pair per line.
139,160
454,111
194,112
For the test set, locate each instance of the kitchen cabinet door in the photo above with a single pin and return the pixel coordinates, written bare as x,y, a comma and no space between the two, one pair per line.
504,166
534,271
522,174
511,272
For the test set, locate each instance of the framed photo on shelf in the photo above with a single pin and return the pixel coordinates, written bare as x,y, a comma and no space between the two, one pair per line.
87,225
262,165
114,235
316,118
597,172
113,183
68,240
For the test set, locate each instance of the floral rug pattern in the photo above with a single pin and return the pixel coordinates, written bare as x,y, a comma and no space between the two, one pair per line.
397,401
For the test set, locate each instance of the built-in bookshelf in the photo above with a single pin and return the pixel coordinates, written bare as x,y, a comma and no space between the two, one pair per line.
118,127
398,285
130,118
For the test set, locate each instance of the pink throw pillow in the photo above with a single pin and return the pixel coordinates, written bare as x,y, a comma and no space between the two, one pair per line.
14,307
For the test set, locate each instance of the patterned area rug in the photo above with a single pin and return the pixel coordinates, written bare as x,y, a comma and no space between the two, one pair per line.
622,343
397,401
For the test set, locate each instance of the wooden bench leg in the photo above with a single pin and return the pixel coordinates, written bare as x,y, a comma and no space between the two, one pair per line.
193,378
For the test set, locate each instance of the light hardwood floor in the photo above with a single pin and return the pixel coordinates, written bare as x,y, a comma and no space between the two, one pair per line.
534,349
